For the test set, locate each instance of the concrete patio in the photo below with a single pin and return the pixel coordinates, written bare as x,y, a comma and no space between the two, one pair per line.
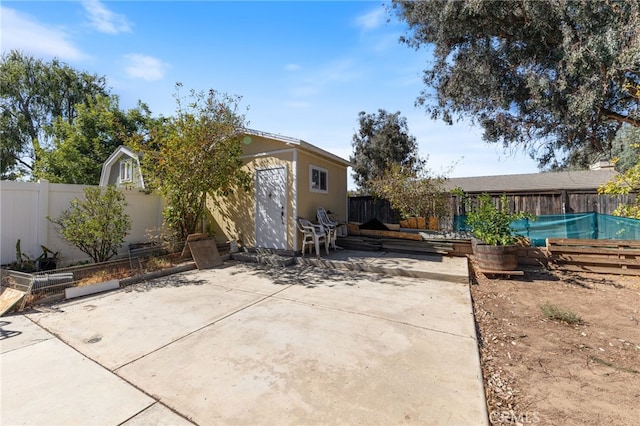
246,344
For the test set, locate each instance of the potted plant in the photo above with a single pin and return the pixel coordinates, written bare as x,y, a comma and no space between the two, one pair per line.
495,245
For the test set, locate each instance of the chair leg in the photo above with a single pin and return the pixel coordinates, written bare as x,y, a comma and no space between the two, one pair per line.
317,248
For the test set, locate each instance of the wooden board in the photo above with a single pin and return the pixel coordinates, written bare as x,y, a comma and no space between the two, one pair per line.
9,298
508,274
205,253
353,229
596,260
190,238
391,234
597,269
594,250
593,243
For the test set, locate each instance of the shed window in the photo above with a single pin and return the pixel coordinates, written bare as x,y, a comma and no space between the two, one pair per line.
126,167
318,179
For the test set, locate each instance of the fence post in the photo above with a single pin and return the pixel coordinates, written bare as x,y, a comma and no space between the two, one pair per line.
42,223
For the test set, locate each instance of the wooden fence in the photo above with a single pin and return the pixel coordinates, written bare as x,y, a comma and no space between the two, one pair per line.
25,206
365,208
548,203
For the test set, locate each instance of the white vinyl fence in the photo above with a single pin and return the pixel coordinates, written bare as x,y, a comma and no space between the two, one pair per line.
24,207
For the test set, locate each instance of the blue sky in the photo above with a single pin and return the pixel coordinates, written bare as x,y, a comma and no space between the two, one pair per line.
304,69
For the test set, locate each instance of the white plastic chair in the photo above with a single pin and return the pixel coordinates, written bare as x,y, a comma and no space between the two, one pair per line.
329,225
312,235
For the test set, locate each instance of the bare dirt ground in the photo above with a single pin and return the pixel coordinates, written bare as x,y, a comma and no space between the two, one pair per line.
545,371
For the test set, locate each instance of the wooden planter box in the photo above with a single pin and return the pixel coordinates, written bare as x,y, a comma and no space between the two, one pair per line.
414,223
495,258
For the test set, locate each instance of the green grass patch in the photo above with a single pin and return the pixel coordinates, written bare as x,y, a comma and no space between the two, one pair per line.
613,365
555,313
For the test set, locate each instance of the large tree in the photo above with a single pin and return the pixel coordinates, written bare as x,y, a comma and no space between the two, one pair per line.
33,95
624,184
81,147
195,153
626,148
382,139
556,78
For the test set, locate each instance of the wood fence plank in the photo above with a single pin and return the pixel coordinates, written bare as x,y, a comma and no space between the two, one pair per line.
594,250
599,256
598,269
605,260
593,243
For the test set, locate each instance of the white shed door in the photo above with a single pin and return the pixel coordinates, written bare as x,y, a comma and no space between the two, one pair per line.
271,208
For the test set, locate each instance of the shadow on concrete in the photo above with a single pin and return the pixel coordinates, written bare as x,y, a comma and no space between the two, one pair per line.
6,334
175,280
310,276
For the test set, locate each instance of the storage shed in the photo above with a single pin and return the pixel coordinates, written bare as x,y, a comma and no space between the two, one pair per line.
291,178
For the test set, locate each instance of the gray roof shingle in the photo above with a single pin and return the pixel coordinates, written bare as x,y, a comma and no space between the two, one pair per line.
546,181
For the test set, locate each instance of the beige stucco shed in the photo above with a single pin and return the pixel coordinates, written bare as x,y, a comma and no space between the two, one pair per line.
291,178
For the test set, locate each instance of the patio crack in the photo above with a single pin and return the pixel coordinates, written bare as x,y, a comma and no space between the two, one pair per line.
255,302
365,314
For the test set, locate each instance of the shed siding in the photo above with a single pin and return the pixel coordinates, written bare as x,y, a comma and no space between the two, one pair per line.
233,217
335,199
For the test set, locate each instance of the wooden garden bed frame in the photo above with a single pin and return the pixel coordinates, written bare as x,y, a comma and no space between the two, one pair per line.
601,256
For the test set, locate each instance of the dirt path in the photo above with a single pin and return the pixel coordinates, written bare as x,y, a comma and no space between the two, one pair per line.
539,370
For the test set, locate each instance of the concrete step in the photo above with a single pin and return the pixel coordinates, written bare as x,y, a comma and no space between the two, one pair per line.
452,269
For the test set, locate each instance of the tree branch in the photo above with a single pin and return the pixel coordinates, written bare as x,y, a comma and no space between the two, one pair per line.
611,115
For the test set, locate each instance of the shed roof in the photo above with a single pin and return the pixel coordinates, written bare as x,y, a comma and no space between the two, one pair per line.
545,181
300,143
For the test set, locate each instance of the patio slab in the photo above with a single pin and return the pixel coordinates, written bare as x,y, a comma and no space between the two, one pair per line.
119,327
157,415
407,300
285,362
246,344
47,382
16,331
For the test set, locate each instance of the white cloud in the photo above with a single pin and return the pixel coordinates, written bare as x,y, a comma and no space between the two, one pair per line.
292,67
383,43
343,70
22,32
372,19
145,67
323,77
305,91
297,104
104,20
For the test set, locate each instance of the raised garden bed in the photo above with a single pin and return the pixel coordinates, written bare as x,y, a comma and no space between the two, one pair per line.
50,286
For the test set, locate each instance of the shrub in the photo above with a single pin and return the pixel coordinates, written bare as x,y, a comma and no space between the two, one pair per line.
96,225
414,192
